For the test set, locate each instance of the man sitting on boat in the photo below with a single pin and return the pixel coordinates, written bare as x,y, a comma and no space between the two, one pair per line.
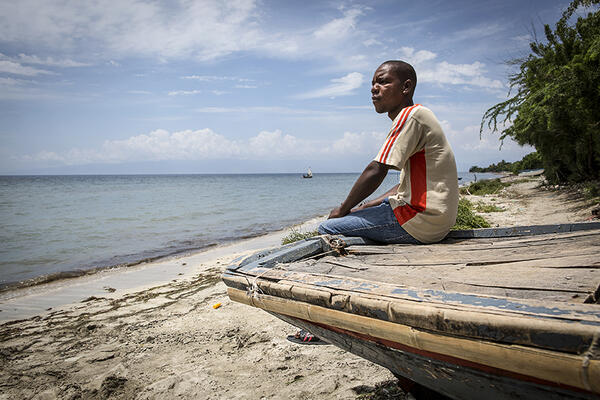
422,207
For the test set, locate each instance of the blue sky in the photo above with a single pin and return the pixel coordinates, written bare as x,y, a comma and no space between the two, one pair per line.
244,86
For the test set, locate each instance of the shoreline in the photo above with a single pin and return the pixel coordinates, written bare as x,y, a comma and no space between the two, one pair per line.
27,271
92,270
26,301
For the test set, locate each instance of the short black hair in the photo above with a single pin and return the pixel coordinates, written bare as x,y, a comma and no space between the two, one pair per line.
403,70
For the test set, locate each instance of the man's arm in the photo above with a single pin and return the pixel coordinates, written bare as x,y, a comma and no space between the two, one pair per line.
378,200
365,185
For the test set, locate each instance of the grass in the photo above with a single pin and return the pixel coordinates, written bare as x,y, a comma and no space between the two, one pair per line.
467,219
522,180
591,190
296,235
487,208
487,186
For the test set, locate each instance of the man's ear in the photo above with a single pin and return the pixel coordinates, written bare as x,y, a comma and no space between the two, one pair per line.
408,86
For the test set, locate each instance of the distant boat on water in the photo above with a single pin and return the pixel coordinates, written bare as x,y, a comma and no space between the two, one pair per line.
308,174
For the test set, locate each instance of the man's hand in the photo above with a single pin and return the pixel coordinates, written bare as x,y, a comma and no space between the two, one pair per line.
337,213
365,185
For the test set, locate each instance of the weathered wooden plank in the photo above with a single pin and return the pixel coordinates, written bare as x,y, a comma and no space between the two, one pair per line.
480,302
570,256
452,380
542,282
284,254
523,230
496,325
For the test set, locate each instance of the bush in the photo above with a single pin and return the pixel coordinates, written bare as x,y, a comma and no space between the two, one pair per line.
487,208
487,186
530,161
591,190
295,236
555,103
466,219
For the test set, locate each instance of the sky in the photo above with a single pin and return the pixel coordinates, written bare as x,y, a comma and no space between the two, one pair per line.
244,86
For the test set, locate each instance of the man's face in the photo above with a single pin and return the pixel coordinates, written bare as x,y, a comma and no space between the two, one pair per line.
388,91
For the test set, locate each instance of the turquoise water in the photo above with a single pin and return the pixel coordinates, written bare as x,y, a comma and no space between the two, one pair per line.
52,226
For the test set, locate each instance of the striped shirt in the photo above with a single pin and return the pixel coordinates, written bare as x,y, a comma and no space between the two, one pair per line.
427,198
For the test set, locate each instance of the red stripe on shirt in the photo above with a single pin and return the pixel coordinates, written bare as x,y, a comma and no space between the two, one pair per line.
392,135
396,133
418,189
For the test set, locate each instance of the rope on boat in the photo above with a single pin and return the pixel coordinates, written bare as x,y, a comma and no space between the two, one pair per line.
334,244
253,288
591,354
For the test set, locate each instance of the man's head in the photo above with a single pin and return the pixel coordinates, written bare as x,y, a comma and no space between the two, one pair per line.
393,86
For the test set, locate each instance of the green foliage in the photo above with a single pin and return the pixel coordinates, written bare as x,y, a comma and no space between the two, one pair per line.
487,208
295,235
466,219
556,107
502,166
530,161
591,190
487,186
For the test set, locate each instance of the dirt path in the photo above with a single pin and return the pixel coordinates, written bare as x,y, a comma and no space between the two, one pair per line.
528,202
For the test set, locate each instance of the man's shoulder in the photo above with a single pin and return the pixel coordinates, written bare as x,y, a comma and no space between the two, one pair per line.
423,114
425,117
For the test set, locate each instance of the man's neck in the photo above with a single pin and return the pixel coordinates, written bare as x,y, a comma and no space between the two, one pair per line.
394,114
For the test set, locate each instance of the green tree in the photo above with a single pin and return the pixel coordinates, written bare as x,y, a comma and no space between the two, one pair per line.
556,102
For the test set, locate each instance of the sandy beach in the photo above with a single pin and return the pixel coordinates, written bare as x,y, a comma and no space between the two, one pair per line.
157,331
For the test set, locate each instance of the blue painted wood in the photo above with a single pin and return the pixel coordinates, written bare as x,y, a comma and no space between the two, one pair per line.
515,231
283,254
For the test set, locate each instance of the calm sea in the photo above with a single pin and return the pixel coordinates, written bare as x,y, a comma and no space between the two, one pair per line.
53,226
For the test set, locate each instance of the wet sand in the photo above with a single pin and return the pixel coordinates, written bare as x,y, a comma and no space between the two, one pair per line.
152,331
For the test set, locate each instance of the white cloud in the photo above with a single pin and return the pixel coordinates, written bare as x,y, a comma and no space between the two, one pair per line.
263,109
447,73
338,28
343,86
472,149
184,92
50,61
212,78
358,143
201,29
11,67
416,58
204,30
9,82
205,144
460,74
371,42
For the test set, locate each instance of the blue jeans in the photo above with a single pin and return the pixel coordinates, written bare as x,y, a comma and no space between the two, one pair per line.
376,223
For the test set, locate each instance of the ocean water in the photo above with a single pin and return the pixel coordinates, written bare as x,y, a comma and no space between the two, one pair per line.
53,226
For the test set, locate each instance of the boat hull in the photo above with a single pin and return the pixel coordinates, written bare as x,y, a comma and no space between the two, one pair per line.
437,372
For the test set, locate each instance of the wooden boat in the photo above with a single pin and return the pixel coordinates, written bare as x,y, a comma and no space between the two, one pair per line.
308,173
502,313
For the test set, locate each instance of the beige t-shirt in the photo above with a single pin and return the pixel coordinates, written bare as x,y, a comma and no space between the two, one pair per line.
427,198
